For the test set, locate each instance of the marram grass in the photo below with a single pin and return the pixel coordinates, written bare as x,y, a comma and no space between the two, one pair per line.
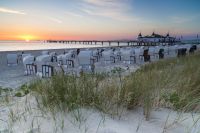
173,83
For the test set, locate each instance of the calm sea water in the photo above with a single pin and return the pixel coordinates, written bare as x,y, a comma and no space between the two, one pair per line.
38,45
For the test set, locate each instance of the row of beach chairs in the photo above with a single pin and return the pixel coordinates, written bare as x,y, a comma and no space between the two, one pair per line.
89,60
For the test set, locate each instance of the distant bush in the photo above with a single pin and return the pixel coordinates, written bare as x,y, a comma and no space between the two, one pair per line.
23,90
18,94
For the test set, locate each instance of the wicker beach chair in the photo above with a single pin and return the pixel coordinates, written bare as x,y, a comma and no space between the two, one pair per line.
127,56
12,59
30,67
67,60
152,53
139,54
172,51
53,56
40,61
86,61
108,57
47,71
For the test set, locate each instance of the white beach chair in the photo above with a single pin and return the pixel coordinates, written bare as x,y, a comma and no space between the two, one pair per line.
139,54
157,49
117,55
67,60
43,61
95,54
166,51
12,59
85,61
108,56
127,56
152,54
30,67
172,51
60,59
73,53
53,56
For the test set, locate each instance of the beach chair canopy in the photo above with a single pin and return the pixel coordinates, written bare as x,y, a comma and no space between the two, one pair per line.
43,58
45,52
152,50
24,55
28,60
52,54
84,57
107,54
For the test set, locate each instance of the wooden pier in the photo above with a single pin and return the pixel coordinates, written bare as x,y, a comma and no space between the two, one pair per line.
109,43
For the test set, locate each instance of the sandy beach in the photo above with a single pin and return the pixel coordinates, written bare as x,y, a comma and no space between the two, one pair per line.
25,115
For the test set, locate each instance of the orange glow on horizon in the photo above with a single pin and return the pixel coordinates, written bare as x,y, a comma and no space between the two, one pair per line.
27,38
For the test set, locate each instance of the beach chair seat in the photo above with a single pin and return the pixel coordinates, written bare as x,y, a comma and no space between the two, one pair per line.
12,59
31,69
47,71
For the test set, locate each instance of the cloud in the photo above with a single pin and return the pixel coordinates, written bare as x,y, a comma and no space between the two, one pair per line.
54,20
5,10
73,14
114,9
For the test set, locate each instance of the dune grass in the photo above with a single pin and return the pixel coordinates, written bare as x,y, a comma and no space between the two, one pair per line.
173,83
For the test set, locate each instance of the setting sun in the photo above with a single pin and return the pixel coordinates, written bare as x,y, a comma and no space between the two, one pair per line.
27,38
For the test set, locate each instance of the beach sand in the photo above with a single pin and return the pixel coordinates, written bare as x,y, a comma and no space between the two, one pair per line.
23,115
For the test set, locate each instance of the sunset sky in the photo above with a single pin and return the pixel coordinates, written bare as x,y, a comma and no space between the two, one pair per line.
97,19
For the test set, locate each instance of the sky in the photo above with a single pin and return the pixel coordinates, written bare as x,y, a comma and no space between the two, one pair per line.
97,19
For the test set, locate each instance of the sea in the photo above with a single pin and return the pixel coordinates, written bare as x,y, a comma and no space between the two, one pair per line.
41,45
